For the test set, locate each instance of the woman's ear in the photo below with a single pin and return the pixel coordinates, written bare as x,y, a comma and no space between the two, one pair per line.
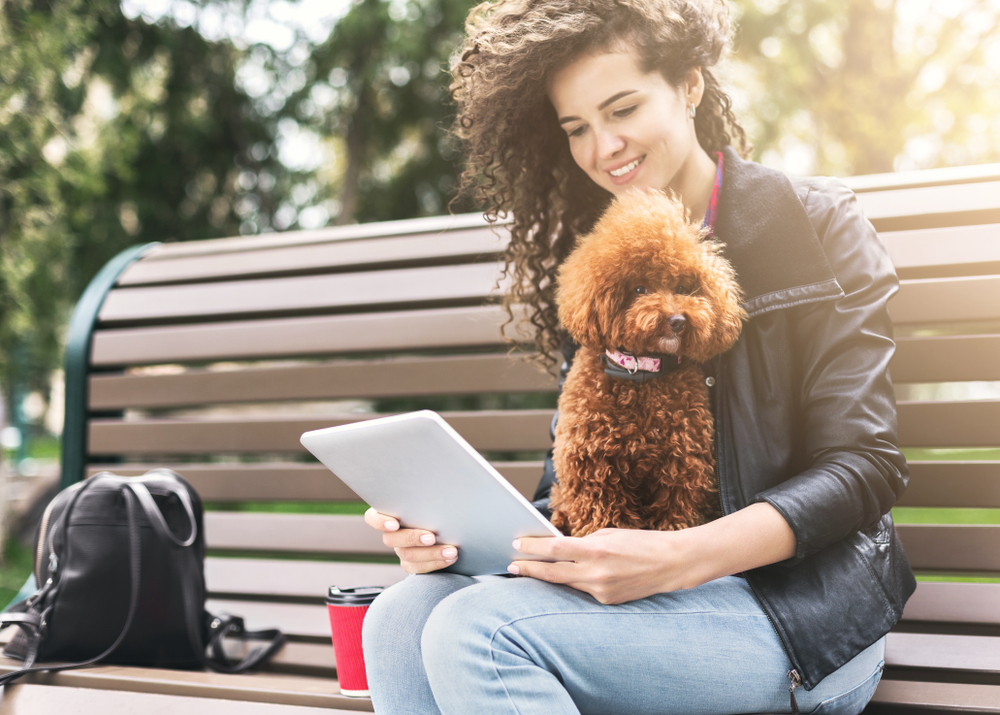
694,86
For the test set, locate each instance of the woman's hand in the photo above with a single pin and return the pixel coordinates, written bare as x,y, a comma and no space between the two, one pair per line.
619,565
417,549
612,565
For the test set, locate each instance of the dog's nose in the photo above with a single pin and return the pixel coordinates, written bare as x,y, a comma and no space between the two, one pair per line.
677,324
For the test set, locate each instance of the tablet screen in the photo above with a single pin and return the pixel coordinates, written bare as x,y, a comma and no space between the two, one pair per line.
417,468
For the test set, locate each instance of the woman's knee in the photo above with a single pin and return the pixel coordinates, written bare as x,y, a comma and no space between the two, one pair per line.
463,627
399,612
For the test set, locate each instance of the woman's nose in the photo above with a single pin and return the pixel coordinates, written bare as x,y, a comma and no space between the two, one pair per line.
609,144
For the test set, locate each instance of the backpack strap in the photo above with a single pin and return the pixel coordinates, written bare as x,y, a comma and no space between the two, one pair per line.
34,624
224,625
218,626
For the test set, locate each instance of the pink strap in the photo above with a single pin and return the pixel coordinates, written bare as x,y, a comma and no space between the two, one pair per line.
632,363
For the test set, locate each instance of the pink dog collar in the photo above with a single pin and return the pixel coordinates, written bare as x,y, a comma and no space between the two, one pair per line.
634,364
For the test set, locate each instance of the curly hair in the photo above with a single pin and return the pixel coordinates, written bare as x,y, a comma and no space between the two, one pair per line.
519,162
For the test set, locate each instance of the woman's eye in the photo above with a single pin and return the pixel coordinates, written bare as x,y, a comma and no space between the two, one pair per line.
640,290
624,111
575,132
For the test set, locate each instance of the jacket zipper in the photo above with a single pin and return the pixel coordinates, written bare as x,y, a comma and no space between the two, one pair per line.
793,674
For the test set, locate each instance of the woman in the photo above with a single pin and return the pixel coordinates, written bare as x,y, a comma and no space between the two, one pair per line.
782,604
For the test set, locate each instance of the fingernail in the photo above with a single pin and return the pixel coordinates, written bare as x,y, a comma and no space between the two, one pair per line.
392,526
450,553
513,568
517,544
427,539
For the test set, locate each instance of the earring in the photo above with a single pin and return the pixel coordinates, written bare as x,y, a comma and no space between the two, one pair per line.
694,110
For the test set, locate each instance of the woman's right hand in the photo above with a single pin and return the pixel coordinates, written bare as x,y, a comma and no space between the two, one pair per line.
417,549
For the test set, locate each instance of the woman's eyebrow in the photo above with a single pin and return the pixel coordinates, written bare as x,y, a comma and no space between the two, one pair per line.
610,100
615,98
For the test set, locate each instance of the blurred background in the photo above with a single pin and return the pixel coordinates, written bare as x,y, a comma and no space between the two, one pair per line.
168,120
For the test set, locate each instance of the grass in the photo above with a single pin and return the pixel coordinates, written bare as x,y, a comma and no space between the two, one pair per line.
352,508
17,564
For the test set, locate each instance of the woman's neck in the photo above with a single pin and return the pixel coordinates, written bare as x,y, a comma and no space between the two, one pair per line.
694,183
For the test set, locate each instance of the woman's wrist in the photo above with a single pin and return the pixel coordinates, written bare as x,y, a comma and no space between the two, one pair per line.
754,536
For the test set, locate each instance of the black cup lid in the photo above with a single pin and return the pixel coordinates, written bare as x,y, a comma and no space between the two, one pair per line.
359,596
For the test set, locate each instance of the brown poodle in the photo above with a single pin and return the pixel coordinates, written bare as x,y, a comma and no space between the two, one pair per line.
649,298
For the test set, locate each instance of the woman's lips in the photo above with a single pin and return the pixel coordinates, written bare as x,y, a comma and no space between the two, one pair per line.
628,171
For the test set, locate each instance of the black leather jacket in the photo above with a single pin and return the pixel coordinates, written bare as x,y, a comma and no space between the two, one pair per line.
805,411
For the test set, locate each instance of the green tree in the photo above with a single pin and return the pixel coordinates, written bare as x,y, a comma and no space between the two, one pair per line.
868,86
112,131
377,90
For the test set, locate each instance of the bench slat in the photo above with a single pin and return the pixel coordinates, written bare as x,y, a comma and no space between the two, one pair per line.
453,328
972,485
949,423
37,699
396,252
936,547
273,296
948,251
299,658
356,232
975,654
946,300
472,374
289,481
910,696
252,688
294,619
273,577
923,177
934,359
519,430
936,601
924,207
313,533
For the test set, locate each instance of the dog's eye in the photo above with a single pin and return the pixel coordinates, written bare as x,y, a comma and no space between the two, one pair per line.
683,289
640,290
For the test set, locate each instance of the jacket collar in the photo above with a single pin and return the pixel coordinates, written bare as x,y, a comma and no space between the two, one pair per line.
770,240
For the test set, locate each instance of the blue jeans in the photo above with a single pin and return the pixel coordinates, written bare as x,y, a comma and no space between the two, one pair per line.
444,643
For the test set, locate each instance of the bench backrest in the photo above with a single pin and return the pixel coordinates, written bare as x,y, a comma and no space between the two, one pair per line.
942,229
213,357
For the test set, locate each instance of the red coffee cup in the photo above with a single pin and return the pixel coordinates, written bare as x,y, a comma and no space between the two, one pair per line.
347,608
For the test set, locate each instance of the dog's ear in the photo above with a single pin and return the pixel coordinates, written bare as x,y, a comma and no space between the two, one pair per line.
588,297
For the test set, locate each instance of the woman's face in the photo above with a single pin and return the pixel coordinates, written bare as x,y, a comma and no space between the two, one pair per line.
628,128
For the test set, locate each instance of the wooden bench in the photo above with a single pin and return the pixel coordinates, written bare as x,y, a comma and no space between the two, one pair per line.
942,229
213,357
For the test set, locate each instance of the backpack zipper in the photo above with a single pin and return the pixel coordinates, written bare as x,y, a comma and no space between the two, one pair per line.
44,537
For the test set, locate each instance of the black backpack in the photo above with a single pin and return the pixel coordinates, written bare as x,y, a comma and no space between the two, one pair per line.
120,563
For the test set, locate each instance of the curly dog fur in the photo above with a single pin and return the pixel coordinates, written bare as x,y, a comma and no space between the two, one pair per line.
639,455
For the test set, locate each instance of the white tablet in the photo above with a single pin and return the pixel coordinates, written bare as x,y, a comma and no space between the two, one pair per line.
417,468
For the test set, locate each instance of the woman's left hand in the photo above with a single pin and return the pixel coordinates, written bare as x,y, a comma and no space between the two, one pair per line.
612,565
619,565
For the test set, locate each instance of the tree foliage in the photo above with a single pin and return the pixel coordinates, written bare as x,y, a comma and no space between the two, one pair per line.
112,131
869,86
377,89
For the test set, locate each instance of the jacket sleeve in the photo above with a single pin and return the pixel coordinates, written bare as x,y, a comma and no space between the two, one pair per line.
541,498
843,347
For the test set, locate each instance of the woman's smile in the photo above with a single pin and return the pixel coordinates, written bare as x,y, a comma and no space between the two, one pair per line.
621,172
